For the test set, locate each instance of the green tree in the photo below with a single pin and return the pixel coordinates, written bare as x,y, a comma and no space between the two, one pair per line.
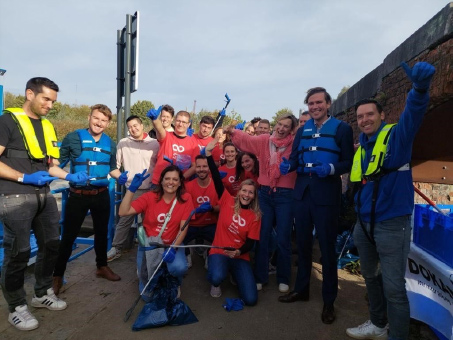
12,100
280,113
343,90
140,108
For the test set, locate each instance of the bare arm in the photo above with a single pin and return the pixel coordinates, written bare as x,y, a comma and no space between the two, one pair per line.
55,170
125,206
160,131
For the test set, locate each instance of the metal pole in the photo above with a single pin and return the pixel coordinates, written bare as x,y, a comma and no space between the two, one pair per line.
119,86
127,83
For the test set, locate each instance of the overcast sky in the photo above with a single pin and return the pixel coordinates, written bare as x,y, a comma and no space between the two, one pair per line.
264,53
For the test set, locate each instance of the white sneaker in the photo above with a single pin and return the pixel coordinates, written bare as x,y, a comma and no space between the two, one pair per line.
22,319
113,254
189,261
216,292
368,331
259,286
283,288
49,301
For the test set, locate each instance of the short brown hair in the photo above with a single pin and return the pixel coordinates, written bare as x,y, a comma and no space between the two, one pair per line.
315,90
103,109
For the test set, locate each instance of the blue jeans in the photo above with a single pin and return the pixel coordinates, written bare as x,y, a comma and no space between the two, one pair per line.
206,233
19,214
383,267
275,206
218,267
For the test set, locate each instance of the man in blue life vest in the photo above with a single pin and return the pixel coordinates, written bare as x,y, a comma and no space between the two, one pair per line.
28,163
91,150
322,151
384,204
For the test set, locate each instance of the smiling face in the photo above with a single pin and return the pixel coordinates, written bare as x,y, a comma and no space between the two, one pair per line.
230,153
250,130
262,128
283,128
201,168
247,162
369,119
171,182
246,194
97,123
318,107
41,103
181,124
135,129
166,119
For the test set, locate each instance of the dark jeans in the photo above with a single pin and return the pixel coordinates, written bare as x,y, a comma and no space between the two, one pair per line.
77,207
218,267
19,214
205,233
275,206
325,220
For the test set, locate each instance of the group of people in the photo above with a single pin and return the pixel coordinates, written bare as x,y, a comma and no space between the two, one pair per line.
232,188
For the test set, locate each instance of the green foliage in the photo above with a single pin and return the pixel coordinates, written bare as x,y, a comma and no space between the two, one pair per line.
140,108
12,100
280,113
353,268
231,118
343,90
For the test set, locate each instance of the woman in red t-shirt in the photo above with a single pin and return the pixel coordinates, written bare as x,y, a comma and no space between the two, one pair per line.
238,227
217,153
247,167
155,205
229,181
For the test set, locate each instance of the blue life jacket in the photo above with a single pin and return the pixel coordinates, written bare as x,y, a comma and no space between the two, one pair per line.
318,146
95,158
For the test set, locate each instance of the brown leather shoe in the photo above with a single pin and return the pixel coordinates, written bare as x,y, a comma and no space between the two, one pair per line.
106,273
294,296
328,314
57,283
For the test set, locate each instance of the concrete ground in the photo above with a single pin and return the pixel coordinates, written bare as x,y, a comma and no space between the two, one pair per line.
96,308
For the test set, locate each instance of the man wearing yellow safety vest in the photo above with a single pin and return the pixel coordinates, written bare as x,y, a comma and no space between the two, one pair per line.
384,204
28,163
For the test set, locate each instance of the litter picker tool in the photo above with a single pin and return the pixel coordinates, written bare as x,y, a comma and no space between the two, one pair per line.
226,105
153,245
130,310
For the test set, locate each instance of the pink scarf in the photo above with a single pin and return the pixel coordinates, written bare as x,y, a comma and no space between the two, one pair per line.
276,149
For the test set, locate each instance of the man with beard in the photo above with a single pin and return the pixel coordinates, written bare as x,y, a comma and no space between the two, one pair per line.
202,191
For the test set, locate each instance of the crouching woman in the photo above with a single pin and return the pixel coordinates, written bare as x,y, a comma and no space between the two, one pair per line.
165,211
238,227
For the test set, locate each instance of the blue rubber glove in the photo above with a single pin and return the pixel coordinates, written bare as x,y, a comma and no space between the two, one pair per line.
223,174
222,113
169,255
38,178
205,207
322,169
235,304
153,114
240,126
80,177
420,75
190,132
166,158
123,178
137,181
203,152
284,166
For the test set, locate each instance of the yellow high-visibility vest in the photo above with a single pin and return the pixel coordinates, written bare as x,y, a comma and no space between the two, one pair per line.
377,156
28,134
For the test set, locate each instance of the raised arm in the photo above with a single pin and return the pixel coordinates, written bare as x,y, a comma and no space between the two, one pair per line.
214,171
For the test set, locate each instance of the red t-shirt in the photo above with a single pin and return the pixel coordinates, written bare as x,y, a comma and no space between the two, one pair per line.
199,196
232,230
201,142
229,182
155,214
179,149
250,175
217,154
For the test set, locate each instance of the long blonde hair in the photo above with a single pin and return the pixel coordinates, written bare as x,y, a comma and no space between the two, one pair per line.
254,204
